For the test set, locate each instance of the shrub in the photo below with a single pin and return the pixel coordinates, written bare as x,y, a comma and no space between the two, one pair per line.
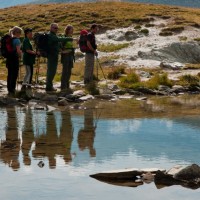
129,80
116,73
144,31
188,80
157,80
92,88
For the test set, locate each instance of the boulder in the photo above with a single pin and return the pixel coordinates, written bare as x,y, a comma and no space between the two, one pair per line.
63,102
86,98
188,173
131,35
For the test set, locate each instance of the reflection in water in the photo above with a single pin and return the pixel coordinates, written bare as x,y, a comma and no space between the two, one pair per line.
86,135
51,134
10,147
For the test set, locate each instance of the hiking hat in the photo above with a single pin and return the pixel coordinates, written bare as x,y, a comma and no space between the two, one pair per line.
27,30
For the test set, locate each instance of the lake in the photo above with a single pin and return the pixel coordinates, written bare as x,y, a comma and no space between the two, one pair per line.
186,3
73,144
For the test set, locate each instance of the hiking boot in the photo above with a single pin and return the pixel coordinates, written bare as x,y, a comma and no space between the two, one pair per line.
51,89
23,88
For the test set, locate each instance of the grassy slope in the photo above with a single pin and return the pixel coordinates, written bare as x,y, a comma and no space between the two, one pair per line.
109,14
81,15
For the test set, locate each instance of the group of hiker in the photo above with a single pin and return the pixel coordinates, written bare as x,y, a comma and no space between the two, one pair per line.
56,44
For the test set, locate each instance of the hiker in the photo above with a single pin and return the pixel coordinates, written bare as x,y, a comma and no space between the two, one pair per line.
67,58
52,56
12,60
90,54
28,58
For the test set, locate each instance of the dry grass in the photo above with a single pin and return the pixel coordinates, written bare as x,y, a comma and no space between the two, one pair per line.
81,15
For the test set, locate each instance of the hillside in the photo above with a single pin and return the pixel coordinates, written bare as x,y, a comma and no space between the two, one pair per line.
109,14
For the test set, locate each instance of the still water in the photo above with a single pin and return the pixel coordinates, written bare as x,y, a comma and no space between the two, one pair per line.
104,136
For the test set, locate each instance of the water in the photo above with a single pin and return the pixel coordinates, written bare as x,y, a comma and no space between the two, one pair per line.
76,144
186,3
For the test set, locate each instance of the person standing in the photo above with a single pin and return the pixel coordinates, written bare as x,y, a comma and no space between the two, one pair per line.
90,54
28,58
52,56
12,61
67,58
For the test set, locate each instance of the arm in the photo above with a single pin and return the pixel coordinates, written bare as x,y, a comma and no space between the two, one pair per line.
91,48
19,52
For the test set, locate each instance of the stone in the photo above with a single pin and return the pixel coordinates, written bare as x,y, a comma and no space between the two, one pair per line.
188,173
79,93
40,106
41,164
174,170
87,97
131,35
125,97
4,101
63,102
163,88
49,97
174,66
141,98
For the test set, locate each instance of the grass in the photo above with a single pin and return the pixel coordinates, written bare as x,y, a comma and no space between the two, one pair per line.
189,80
112,47
109,14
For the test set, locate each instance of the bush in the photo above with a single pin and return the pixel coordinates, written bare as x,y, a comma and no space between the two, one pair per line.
144,31
157,80
188,80
129,80
116,73
92,88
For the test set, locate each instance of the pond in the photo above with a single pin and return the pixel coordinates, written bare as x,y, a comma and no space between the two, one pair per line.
73,144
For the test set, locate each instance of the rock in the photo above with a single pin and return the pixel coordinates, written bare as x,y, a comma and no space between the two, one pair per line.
144,74
79,93
113,87
49,97
118,174
40,106
141,98
131,35
41,164
125,97
4,101
188,173
63,102
174,170
105,96
174,66
146,90
163,88
87,97
178,89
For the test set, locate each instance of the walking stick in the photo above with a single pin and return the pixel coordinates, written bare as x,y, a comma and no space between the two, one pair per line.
37,71
101,68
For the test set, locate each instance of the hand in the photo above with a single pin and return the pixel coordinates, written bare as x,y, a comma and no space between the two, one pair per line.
95,53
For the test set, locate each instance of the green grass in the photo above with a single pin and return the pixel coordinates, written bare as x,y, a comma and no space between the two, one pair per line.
112,47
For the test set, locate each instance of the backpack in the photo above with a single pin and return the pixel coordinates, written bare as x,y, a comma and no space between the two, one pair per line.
41,43
7,46
83,41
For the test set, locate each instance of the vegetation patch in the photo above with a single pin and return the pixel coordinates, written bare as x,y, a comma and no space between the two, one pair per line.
129,81
112,47
116,73
158,79
189,80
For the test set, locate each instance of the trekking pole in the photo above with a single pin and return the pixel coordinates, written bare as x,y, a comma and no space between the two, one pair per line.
97,70
101,68
37,71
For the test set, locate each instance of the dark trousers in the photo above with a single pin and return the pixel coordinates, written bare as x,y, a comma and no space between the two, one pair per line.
12,64
67,62
52,62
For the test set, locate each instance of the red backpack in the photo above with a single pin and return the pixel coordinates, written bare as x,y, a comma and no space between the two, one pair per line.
83,41
7,46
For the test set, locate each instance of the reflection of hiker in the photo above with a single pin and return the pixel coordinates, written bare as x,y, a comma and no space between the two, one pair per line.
52,57
90,54
27,137
66,136
10,148
28,57
67,58
86,135
12,61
